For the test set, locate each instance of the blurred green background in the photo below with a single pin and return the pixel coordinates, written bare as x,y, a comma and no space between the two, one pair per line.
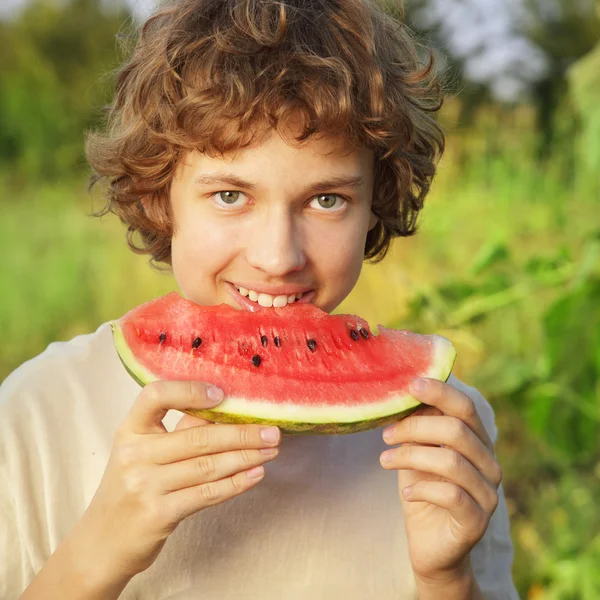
506,264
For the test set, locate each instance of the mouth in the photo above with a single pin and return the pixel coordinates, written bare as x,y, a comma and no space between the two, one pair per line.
255,300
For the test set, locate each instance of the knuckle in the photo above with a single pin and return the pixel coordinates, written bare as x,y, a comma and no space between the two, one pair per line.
135,482
209,493
152,392
459,496
237,483
195,391
126,456
412,427
411,455
405,453
199,438
498,474
245,436
460,430
153,511
207,467
484,520
470,410
246,456
455,461
492,501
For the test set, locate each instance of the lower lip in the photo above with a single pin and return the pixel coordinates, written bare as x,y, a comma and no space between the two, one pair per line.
247,304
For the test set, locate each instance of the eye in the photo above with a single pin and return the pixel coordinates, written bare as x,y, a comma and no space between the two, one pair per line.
328,202
229,198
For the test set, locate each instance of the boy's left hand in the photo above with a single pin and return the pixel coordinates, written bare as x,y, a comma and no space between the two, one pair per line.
447,462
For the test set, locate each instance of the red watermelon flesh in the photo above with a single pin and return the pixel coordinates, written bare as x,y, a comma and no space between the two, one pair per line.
296,367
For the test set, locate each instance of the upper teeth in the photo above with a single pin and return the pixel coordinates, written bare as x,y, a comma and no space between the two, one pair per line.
267,300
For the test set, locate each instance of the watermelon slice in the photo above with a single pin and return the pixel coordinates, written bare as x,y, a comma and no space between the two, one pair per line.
295,367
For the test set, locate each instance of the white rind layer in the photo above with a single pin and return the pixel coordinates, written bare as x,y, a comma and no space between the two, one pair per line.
396,402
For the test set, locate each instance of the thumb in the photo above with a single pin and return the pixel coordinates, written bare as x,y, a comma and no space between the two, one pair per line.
188,421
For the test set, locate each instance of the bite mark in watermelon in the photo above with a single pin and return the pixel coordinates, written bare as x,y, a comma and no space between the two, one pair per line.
295,367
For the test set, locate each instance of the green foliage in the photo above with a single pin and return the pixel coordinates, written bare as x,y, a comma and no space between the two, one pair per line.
584,83
560,542
557,383
537,313
53,82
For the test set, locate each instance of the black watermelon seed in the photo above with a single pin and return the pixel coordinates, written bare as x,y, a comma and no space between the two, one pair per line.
311,345
196,342
354,334
162,338
264,340
277,341
364,333
256,360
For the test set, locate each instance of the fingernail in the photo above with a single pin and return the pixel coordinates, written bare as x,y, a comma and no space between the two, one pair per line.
418,385
388,433
215,394
407,490
269,451
255,473
269,435
386,457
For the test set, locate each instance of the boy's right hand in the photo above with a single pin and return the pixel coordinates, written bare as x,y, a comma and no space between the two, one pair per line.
154,479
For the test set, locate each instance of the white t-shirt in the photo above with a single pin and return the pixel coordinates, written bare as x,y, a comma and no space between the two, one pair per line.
324,523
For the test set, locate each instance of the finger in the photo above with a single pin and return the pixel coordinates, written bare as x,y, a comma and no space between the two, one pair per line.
454,499
188,421
186,502
213,467
157,398
210,439
451,402
427,411
446,463
449,432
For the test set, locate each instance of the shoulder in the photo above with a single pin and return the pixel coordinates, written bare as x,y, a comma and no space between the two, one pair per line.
62,378
484,408
59,361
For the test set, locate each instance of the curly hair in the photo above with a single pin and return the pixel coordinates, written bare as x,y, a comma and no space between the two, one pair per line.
212,75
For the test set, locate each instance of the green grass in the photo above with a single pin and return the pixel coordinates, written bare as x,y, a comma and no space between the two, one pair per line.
64,272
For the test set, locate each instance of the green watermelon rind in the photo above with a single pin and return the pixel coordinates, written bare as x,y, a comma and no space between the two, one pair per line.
329,420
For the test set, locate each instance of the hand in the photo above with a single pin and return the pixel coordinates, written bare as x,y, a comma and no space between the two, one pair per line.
155,479
448,480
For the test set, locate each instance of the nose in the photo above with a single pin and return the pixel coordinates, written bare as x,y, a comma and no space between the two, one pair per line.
276,244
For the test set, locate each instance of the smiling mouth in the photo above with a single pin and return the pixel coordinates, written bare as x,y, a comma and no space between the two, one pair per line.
254,300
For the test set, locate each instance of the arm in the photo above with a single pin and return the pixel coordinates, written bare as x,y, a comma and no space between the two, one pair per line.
77,571
465,588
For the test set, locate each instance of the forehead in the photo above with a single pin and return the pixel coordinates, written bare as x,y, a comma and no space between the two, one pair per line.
275,155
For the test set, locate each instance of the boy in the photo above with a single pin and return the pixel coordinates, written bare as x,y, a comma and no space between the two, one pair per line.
262,149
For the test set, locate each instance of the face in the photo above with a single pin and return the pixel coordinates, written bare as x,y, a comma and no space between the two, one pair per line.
272,224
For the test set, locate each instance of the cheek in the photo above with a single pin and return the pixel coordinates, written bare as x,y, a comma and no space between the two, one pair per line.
338,258
198,253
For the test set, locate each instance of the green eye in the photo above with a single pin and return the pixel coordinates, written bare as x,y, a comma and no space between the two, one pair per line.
229,197
327,200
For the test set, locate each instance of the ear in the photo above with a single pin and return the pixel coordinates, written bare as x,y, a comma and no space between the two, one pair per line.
374,219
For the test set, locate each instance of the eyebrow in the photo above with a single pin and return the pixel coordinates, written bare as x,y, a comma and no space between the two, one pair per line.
341,181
